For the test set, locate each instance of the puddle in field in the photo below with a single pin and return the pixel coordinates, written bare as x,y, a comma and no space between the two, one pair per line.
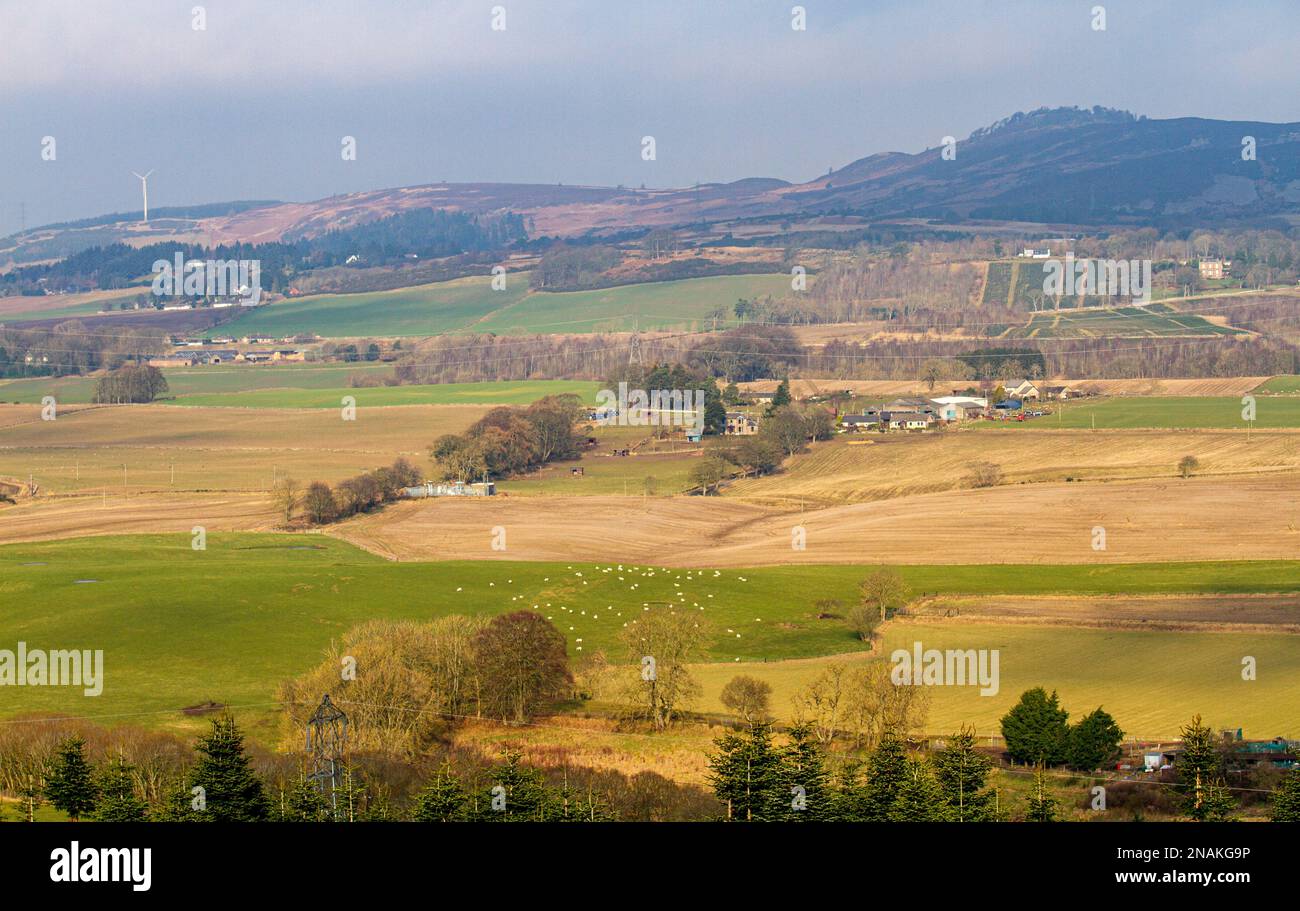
83,581
33,564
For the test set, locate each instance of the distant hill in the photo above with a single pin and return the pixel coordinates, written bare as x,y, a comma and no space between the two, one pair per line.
1081,167
1061,168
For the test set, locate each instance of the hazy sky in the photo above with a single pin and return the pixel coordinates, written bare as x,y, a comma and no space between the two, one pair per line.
255,105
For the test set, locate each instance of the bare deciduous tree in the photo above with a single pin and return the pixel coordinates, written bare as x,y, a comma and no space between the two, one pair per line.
660,645
286,496
883,591
747,697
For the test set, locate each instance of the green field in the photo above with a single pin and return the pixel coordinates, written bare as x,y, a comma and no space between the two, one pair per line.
308,386
470,305
997,284
1152,682
179,627
1157,413
522,392
657,305
605,475
216,379
1281,385
420,310
1152,321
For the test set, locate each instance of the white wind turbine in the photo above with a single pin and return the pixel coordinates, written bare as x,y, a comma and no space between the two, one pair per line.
144,186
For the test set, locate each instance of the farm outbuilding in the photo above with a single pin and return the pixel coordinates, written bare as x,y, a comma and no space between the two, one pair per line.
451,489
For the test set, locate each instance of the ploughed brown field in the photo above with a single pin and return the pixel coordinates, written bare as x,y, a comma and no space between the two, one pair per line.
1206,613
169,448
1210,518
144,513
888,499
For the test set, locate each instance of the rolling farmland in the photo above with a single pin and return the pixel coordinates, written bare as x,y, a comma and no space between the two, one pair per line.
152,604
1125,671
131,448
1173,413
471,305
1151,321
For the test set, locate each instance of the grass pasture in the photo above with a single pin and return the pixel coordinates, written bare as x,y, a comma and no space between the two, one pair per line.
1282,385
431,309
299,386
522,392
651,305
227,624
1160,413
1151,682
183,382
470,305
1152,321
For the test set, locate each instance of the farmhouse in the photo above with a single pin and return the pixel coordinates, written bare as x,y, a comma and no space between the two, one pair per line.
740,424
854,422
1056,393
1021,389
908,420
1032,253
1215,268
175,359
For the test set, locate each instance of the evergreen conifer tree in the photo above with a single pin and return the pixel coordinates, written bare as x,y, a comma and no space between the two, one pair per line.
1199,773
523,794
746,773
1042,805
804,792
1036,730
920,799
304,803
886,772
442,799
1286,798
232,792
962,772
117,799
70,784
1094,741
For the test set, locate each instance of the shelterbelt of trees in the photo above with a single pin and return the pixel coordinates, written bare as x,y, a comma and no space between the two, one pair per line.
754,776
133,384
755,352
71,348
508,440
